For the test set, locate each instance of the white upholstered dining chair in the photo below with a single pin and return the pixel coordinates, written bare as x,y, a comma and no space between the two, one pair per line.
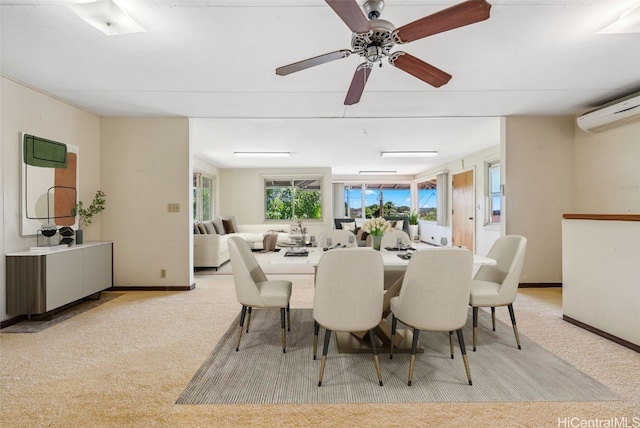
390,239
348,297
434,297
337,236
254,290
497,285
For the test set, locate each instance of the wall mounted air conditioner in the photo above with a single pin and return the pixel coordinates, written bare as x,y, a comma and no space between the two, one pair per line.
616,113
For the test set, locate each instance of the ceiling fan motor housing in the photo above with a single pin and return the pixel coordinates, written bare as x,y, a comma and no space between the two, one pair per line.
377,43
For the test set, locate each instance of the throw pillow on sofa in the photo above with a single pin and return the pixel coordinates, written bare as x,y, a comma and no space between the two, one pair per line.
217,223
201,228
228,226
209,227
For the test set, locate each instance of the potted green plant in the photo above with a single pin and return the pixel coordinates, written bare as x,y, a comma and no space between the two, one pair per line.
414,216
85,215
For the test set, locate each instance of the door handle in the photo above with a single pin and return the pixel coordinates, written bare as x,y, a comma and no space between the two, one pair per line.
470,218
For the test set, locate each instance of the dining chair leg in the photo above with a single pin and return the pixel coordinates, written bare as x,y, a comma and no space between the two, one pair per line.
288,318
243,313
316,330
451,343
374,349
464,355
248,318
327,336
394,324
284,330
515,327
475,327
493,317
414,348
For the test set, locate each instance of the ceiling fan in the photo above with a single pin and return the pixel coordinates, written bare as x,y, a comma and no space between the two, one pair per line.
373,38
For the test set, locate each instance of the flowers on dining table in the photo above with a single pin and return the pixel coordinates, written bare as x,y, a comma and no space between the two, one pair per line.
376,226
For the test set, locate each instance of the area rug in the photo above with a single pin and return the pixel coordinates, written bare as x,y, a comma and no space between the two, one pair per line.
264,260
260,373
43,322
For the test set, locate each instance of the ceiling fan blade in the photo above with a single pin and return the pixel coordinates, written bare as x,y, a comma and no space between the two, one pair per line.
357,84
349,11
465,13
420,69
312,62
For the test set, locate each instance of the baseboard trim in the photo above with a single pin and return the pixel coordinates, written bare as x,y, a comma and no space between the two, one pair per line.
604,334
12,321
153,288
539,284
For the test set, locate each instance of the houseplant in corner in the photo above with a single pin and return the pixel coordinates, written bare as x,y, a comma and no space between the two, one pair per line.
85,215
376,227
414,216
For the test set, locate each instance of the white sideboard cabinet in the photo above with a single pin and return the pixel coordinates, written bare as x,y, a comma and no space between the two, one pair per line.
40,281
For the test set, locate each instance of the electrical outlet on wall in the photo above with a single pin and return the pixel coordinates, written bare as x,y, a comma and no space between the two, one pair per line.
163,273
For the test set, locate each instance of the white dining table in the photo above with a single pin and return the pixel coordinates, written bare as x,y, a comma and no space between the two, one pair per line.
389,257
354,342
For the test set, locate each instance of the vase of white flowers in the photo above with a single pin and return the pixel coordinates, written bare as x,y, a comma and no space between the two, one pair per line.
376,227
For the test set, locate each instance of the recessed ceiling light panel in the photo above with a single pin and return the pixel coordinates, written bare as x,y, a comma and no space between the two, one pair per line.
377,172
409,154
262,154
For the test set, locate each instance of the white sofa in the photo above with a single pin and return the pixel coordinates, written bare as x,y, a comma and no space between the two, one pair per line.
211,249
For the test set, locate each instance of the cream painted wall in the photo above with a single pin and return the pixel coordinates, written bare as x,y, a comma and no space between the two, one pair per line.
23,109
539,165
241,194
146,164
607,171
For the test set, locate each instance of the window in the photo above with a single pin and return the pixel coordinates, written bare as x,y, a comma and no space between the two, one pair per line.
428,200
202,197
395,199
291,198
494,195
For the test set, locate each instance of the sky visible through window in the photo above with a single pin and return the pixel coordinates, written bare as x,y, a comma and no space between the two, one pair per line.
426,197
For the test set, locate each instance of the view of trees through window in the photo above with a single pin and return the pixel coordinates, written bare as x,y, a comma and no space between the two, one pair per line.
428,200
394,198
202,197
288,199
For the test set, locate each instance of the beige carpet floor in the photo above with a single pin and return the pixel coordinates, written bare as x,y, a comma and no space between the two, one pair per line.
125,362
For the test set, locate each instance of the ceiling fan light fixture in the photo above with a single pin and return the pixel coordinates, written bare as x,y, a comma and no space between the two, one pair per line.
262,154
107,17
377,172
409,154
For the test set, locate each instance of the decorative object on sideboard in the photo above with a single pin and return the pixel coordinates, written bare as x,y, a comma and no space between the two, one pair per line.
67,235
85,215
46,235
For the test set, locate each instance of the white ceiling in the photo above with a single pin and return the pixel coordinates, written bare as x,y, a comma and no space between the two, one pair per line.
214,62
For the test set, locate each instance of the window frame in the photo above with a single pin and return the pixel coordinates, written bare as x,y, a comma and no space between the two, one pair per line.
430,178
198,200
492,192
292,178
364,186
